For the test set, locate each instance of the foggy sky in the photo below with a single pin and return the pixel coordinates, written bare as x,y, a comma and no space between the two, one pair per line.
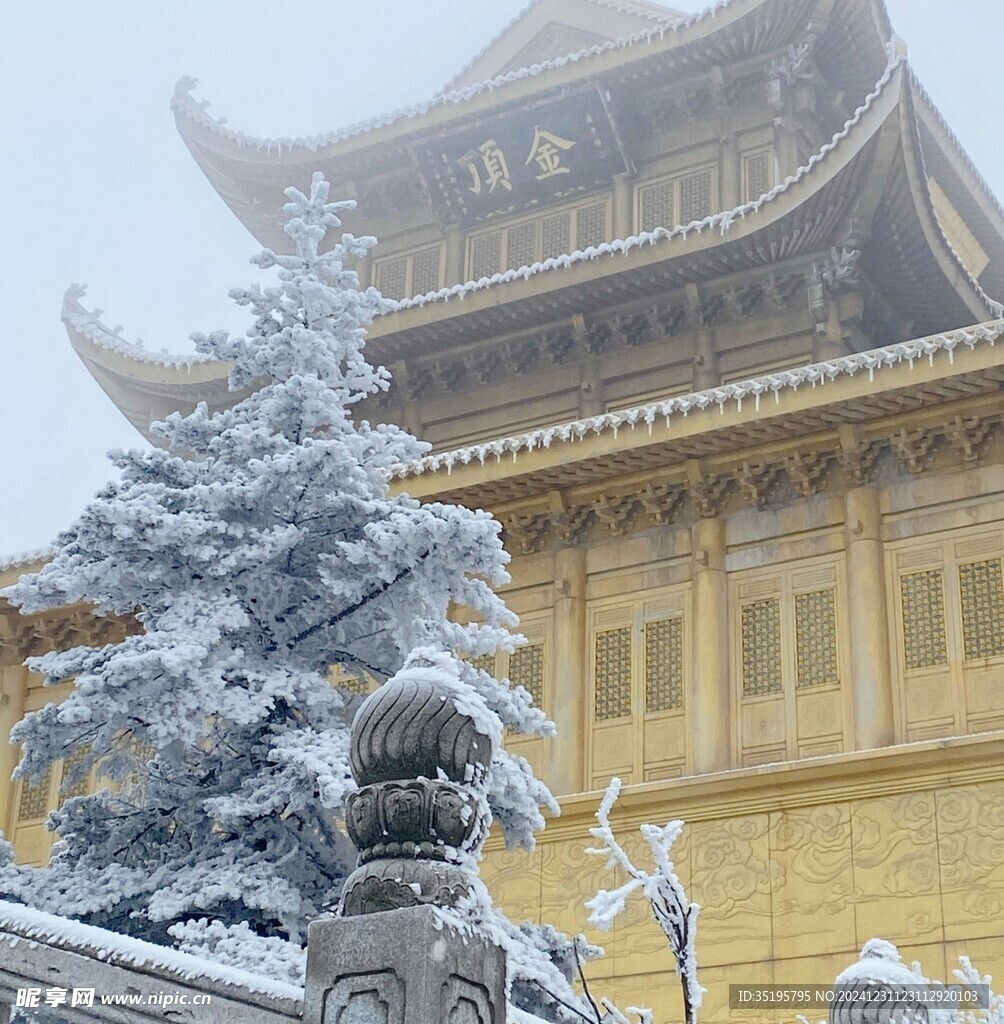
99,188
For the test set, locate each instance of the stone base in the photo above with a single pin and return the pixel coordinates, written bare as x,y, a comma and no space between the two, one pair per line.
401,967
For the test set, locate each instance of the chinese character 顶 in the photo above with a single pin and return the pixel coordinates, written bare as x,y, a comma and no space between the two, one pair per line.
28,997
55,996
82,997
546,150
496,168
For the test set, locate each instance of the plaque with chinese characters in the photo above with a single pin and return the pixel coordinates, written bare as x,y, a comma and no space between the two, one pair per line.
522,159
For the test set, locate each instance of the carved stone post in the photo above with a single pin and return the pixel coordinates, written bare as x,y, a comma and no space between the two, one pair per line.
418,821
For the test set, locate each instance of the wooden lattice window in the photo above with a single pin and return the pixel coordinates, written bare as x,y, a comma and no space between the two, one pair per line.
676,200
80,787
613,674
816,638
414,273
761,647
531,240
664,664
981,591
758,173
35,795
526,669
925,643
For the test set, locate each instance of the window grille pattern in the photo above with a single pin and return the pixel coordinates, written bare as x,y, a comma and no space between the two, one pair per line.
485,662
486,255
392,278
761,647
758,176
526,669
664,664
34,802
591,225
924,642
357,686
982,591
816,638
522,245
426,271
656,206
83,785
556,235
613,674
695,196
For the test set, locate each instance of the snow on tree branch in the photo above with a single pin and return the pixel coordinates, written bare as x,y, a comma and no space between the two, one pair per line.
673,911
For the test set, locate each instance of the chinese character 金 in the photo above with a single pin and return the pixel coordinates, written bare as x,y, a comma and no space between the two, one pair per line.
82,997
28,997
495,167
55,996
546,149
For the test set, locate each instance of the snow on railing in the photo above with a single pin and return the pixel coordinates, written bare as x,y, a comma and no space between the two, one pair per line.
20,923
813,375
87,324
186,105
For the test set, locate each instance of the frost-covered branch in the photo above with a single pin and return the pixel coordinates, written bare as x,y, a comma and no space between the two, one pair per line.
673,911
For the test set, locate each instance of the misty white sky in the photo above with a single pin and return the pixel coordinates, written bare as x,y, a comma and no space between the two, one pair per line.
100,189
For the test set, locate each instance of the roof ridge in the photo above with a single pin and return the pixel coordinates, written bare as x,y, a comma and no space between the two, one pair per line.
185,105
813,374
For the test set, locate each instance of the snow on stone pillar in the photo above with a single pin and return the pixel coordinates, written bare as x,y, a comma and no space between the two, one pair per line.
418,820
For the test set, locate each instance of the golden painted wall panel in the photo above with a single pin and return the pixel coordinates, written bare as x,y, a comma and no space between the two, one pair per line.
819,714
813,892
763,723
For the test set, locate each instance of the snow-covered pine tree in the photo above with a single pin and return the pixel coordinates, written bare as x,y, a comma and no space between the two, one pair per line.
258,548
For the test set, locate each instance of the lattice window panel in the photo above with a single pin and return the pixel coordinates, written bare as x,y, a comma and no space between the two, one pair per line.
757,176
83,785
816,638
981,589
392,278
556,235
521,242
613,674
761,647
590,225
486,255
34,802
655,206
924,642
526,669
695,196
664,664
425,271
485,662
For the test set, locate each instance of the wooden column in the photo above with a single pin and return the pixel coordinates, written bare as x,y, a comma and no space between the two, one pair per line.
623,210
708,690
565,756
13,686
454,270
871,674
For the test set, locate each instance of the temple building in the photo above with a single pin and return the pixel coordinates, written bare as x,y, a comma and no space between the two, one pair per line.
704,309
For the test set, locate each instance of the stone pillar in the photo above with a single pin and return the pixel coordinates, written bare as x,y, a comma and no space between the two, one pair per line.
868,622
565,767
708,693
418,820
13,686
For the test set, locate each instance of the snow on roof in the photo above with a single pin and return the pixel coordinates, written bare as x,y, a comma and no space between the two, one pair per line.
22,922
184,104
20,558
723,221
627,6
812,375
87,323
